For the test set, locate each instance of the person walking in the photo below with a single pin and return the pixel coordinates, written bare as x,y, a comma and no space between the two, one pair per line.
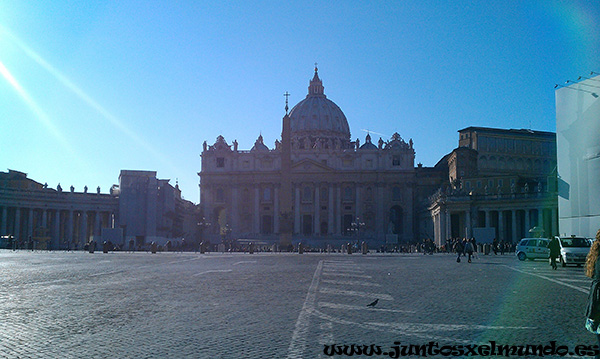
554,248
592,270
469,249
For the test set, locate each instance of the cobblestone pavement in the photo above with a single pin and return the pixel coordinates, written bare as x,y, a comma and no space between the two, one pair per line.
188,305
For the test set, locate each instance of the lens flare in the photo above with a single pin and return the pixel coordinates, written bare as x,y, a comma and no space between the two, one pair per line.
113,120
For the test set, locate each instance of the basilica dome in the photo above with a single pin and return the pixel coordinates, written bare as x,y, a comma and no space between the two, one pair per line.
317,116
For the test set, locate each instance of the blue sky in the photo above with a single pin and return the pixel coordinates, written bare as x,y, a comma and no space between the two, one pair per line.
88,88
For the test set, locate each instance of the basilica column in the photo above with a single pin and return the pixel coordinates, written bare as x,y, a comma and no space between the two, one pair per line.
330,211
276,210
338,217
234,220
256,226
297,211
317,217
527,224
487,218
541,218
357,201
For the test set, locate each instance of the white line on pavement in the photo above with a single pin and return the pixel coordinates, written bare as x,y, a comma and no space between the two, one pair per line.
298,343
243,262
350,282
356,307
348,275
213,271
427,327
356,293
583,290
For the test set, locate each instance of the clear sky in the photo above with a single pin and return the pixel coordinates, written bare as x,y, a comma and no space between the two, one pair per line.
88,88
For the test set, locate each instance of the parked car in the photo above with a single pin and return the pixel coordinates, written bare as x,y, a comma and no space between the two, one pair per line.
532,248
573,250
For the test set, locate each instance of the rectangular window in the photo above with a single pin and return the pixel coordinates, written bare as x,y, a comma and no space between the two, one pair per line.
396,161
220,162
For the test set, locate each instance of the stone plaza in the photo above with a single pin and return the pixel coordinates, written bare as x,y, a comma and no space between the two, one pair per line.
62,304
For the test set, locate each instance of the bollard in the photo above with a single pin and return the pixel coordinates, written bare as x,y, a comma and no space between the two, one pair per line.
153,247
365,248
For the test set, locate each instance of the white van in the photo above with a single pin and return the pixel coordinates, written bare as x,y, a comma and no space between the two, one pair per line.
573,250
532,248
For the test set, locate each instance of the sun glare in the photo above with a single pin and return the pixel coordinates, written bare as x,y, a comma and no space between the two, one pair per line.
113,120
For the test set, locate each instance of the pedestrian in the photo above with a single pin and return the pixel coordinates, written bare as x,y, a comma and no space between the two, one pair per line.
554,248
592,270
458,249
469,249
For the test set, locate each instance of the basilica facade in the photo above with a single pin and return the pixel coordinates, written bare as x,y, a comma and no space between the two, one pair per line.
327,188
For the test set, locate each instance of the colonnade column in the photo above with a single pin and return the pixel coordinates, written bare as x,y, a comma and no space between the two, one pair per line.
69,235
500,226
3,229
487,218
56,236
514,225
448,224
29,223
527,223
468,229
17,223
97,226
83,228
554,222
541,218
317,216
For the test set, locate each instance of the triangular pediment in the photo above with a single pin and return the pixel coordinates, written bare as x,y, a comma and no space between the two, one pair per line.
308,165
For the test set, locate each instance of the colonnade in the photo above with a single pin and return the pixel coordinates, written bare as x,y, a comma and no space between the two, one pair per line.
511,224
54,228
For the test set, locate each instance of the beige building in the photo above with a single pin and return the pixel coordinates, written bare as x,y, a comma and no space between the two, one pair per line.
501,182
340,190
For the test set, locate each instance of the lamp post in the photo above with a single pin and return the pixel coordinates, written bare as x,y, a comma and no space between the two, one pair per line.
202,225
225,231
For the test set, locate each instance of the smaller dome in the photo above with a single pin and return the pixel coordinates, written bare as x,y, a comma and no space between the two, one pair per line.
368,145
259,145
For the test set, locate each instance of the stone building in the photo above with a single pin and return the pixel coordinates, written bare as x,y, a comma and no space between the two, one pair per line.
339,190
141,207
499,180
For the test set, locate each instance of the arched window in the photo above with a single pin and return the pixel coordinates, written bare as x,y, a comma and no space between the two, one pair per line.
307,194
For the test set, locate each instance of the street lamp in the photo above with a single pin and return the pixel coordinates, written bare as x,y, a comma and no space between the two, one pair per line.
225,231
202,225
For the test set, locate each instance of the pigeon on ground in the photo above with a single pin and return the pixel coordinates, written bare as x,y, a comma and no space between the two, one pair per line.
374,303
